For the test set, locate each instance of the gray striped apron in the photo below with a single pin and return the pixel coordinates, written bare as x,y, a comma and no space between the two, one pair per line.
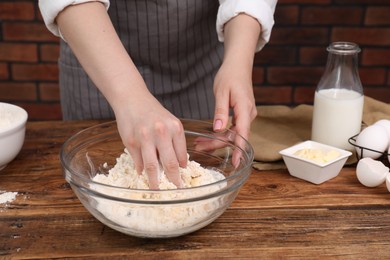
175,48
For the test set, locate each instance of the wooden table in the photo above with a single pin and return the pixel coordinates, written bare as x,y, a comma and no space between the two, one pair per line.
274,215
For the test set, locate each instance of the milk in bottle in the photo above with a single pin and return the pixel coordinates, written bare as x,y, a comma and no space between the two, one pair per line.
338,100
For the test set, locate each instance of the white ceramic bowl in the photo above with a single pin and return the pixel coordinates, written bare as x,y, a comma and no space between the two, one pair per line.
311,170
12,130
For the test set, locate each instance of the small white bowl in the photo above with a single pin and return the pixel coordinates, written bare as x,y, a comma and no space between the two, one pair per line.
310,170
12,130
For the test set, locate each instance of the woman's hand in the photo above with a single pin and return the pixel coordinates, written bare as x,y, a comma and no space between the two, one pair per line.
154,138
151,134
233,87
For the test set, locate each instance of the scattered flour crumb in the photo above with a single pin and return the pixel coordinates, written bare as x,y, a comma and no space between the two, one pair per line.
157,219
6,197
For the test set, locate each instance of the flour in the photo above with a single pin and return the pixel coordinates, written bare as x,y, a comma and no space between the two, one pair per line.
6,197
152,218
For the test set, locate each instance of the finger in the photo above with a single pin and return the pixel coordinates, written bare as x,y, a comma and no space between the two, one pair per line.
242,127
244,113
242,124
238,151
221,112
136,155
180,147
151,165
170,164
208,144
167,153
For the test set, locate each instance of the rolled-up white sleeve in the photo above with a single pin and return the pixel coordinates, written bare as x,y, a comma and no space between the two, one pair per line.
261,10
51,8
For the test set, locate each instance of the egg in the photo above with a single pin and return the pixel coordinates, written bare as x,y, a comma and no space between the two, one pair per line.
388,182
386,124
373,137
371,173
388,155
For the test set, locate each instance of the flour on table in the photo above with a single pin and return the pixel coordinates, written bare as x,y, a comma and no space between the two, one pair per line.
157,218
6,197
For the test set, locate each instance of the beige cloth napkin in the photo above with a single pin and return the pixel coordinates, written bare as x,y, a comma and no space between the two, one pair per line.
278,127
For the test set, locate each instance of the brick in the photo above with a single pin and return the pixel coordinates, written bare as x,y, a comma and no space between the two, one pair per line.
286,71
258,75
49,91
286,15
17,11
332,15
377,16
372,76
49,52
304,95
270,95
313,55
311,2
35,72
356,2
294,75
38,14
4,73
299,35
281,55
18,52
43,111
27,32
378,93
17,91
376,57
362,36
388,78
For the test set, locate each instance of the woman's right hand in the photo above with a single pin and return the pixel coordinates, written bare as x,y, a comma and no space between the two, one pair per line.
153,137
151,134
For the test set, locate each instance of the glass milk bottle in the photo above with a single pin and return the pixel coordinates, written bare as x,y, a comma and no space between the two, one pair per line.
339,99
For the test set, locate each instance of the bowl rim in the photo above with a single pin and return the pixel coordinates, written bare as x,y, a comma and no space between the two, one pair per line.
249,156
15,124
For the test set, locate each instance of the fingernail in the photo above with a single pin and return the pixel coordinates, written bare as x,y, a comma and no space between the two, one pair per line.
218,124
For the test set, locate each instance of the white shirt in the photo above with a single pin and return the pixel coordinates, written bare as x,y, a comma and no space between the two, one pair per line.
261,10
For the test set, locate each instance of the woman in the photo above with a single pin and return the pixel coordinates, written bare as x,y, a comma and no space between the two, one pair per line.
150,62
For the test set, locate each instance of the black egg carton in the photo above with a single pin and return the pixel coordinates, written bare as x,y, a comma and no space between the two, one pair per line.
360,150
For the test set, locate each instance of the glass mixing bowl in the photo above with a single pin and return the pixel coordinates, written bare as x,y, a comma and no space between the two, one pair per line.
155,213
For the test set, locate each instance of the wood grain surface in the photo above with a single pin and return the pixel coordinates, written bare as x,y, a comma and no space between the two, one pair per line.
274,215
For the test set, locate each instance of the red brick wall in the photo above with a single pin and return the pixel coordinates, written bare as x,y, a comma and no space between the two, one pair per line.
28,60
286,71
289,68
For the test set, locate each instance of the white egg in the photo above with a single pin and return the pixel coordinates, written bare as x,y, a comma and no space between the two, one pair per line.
371,173
388,154
388,182
386,124
373,137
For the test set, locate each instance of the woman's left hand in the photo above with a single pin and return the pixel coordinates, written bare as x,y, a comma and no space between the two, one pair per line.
233,88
